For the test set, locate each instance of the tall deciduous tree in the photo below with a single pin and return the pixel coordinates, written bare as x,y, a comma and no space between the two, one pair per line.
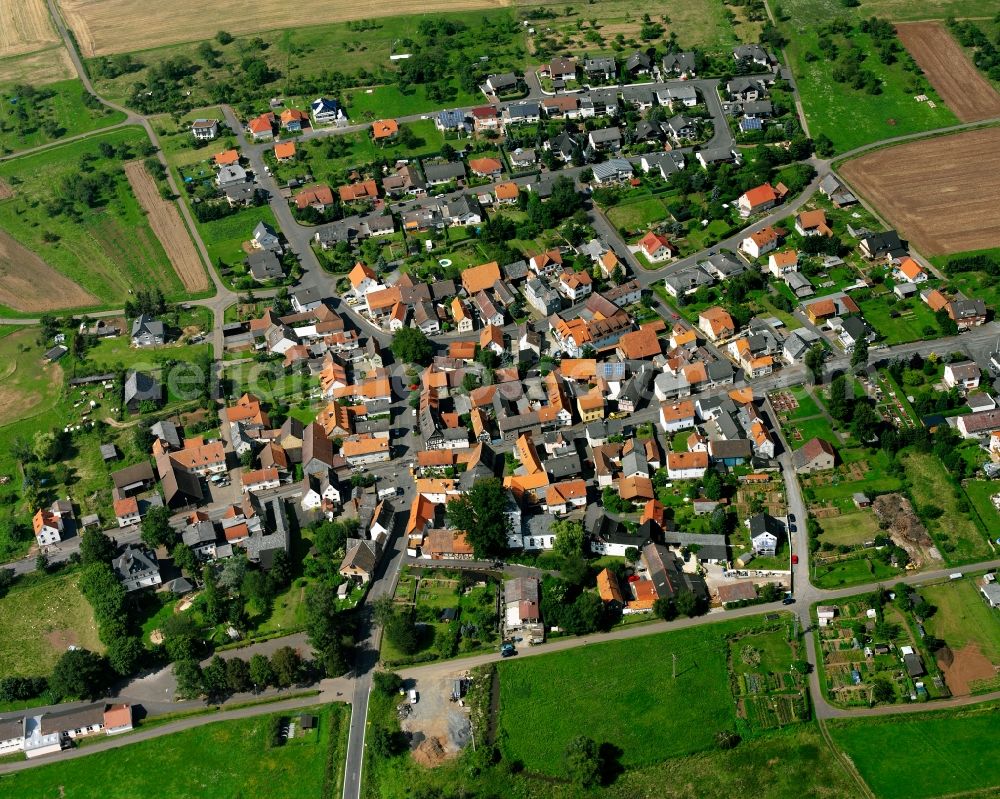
481,514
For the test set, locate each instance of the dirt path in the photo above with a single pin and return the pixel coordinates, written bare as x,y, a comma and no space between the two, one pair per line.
169,228
962,87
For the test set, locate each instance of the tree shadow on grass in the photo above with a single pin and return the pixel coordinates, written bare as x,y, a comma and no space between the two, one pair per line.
611,767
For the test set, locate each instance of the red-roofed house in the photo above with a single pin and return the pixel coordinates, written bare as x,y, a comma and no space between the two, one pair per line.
910,271
319,197
365,190
760,243
262,128
657,247
782,263
384,129
284,151
127,511
716,323
757,199
486,167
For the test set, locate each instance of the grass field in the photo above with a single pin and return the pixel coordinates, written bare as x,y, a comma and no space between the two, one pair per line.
857,571
224,237
853,117
227,760
979,493
638,215
850,528
39,621
57,110
929,485
963,617
108,249
913,321
28,387
925,755
553,693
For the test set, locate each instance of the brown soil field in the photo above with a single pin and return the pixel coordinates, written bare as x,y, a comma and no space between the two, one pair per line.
124,26
25,27
967,665
936,192
166,222
44,66
29,284
6,192
951,73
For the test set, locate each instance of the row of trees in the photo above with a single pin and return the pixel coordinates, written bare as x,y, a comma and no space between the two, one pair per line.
222,678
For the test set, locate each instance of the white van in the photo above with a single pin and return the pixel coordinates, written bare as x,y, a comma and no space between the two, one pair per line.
414,696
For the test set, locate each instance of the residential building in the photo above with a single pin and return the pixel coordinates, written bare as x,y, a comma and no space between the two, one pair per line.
136,569
816,455
716,323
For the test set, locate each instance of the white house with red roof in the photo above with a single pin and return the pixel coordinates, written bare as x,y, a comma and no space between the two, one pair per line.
657,247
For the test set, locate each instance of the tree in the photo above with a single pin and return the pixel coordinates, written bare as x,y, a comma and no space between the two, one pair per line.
402,632
859,356
727,739
156,530
45,446
96,547
238,676
688,604
664,608
184,559
180,637
814,361
285,663
382,610
261,674
384,742
632,554
411,345
712,485
882,690
79,674
387,682
583,761
214,680
841,404
190,681
481,513
570,537
124,653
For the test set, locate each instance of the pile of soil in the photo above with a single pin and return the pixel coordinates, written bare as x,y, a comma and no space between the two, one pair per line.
429,753
904,527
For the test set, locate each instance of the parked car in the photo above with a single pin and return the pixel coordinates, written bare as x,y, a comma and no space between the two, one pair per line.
507,650
795,560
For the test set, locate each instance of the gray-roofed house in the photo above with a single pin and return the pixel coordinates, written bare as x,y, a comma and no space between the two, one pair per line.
136,569
140,388
679,64
638,63
716,155
752,52
450,120
605,138
765,533
441,173
666,163
666,575
265,238
504,82
517,113
600,68
264,265
614,170
147,331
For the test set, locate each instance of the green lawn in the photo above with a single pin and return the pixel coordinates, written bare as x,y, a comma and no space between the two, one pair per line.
925,755
803,430
807,404
979,493
963,617
857,571
224,760
388,101
972,284
224,237
956,533
854,117
850,528
109,250
622,690
39,620
637,216
900,321
56,111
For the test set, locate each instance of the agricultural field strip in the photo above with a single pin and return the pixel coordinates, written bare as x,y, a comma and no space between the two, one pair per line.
935,192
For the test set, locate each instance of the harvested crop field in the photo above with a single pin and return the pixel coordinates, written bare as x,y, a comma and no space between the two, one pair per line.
962,87
124,26
25,27
935,192
29,284
44,66
964,668
166,222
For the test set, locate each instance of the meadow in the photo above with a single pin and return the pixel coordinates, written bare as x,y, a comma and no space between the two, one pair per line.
919,756
225,760
913,319
57,110
962,617
854,117
955,531
99,240
554,692
39,619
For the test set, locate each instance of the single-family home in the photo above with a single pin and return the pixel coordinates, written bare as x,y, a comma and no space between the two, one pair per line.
326,111
136,568
687,465
812,223
782,263
657,247
965,375
676,416
205,129
760,198
909,271
760,242
716,323
147,331
683,64
816,455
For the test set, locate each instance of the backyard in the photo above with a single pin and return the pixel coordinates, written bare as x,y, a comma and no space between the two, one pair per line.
900,321
39,619
225,759
971,630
